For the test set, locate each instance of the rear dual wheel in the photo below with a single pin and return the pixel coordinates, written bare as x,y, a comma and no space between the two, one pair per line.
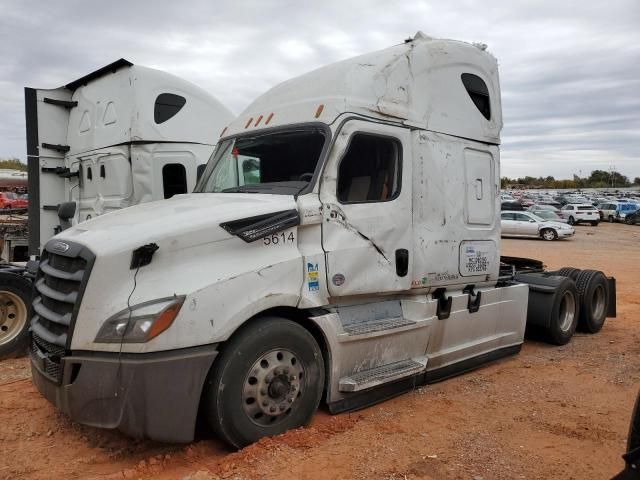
268,379
592,289
15,297
564,313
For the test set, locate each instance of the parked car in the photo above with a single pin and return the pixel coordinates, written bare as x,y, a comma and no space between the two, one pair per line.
625,209
21,201
505,197
548,212
527,224
550,216
632,218
581,212
515,206
10,200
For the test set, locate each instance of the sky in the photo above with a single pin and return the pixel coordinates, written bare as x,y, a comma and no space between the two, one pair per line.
569,70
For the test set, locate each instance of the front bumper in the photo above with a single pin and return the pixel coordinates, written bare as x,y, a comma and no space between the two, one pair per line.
565,233
152,395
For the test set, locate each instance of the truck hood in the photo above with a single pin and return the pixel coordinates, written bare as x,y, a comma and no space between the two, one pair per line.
181,222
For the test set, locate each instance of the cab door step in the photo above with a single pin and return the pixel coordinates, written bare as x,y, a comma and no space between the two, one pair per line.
382,374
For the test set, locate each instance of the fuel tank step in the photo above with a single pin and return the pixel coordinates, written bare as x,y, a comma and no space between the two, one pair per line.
376,326
382,374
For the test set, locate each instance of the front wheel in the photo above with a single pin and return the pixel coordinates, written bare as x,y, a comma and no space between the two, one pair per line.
571,221
549,234
15,297
611,219
268,379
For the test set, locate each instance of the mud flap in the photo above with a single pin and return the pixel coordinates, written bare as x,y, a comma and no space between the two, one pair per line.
611,300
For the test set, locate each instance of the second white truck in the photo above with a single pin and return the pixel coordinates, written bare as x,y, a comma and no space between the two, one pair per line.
342,245
119,136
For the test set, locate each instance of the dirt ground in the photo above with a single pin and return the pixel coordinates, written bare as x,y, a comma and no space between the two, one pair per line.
549,412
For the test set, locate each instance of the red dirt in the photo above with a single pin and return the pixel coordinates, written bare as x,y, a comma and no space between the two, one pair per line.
549,412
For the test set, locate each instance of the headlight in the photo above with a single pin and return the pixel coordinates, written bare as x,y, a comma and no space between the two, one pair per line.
141,322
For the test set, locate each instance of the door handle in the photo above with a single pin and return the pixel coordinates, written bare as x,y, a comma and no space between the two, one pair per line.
402,262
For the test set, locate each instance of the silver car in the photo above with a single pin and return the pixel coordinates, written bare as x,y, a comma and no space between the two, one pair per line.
527,224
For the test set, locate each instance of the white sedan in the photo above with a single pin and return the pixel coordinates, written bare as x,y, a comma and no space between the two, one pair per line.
526,224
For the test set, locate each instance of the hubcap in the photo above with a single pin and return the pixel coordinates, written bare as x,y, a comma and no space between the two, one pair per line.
272,386
598,302
567,311
13,316
548,235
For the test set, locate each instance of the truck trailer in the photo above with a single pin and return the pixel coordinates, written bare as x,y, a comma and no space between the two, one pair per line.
342,245
119,136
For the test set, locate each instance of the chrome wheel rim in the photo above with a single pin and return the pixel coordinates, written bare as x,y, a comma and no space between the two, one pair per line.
567,311
273,385
13,316
598,301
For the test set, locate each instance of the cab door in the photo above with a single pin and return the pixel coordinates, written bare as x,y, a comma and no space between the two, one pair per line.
367,210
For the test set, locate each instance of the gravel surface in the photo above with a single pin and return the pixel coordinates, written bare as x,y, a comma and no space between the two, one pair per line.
549,412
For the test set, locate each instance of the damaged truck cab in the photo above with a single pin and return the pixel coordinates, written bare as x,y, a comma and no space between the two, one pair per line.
342,245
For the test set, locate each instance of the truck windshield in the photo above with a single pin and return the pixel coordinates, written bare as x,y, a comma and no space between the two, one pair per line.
280,162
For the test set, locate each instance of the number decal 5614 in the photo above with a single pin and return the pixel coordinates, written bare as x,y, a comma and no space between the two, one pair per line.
281,238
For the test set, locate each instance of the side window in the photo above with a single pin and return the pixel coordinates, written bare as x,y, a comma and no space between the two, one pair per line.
166,106
507,216
522,218
174,179
479,93
370,170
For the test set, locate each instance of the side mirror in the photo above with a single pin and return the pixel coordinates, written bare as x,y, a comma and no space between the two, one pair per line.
66,212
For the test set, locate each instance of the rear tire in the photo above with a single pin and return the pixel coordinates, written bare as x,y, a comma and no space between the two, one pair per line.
628,221
564,314
571,221
611,219
592,291
594,224
548,234
570,272
15,298
268,379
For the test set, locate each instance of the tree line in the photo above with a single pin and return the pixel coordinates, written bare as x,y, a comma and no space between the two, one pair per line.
13,164
597,179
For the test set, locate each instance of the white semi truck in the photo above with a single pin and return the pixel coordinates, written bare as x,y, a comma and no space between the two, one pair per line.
342,245
120,136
